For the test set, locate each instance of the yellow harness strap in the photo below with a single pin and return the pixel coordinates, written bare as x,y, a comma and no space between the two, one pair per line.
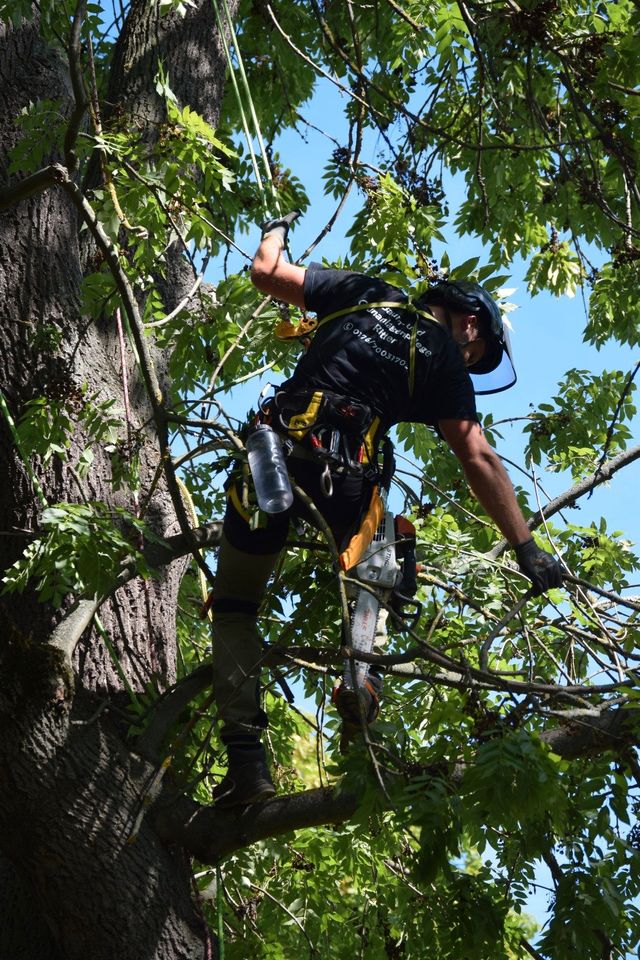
368,441
234,496
301,422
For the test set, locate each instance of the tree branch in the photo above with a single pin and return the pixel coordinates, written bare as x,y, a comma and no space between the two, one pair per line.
169,708
79,93
210,834
173,702
31,185
405,16
569,497
68,632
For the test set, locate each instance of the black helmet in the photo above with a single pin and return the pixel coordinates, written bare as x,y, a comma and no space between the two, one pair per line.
469,297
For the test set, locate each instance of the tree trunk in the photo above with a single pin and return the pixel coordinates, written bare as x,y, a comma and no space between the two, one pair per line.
71,885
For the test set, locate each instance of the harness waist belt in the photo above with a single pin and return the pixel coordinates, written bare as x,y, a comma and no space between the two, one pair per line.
329,426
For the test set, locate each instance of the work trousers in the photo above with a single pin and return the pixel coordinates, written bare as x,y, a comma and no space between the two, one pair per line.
246,562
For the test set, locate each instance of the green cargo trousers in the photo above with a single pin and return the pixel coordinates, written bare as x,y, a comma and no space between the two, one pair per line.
240,585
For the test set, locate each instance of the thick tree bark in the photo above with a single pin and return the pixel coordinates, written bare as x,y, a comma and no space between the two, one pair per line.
76,793
70,789
23,932
50,350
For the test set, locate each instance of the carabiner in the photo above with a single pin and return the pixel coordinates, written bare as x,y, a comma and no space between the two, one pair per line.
326,483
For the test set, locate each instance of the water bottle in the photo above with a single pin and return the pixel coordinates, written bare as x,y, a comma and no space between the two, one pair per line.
269,470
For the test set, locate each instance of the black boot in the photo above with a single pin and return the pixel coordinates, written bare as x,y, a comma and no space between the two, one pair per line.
248,779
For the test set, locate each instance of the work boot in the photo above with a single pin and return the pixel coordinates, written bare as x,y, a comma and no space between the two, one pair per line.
347,705
247,780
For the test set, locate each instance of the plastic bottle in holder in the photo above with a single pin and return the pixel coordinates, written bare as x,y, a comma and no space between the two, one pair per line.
269,470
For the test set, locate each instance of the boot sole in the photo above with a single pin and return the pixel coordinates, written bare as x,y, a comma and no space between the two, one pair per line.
263,791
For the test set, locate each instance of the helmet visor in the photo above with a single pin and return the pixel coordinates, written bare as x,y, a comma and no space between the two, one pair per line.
501,377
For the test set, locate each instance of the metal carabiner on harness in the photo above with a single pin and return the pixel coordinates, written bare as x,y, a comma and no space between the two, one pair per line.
265,403
326,483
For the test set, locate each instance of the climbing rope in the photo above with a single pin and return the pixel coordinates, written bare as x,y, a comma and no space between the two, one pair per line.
228,24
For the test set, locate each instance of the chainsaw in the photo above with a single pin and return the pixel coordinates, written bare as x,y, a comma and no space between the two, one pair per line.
387,570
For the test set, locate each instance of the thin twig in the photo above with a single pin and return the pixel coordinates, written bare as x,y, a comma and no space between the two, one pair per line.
254,886
180,307
569,497
502,623
77,85
609,437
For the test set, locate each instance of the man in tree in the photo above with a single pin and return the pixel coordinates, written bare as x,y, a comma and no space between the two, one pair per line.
375,360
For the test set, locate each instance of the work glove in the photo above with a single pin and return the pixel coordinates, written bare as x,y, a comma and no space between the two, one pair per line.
279,228
543,570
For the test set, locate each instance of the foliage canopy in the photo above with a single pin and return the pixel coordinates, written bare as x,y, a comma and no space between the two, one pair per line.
491,787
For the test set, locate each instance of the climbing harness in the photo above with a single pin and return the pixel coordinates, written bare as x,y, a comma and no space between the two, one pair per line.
336,431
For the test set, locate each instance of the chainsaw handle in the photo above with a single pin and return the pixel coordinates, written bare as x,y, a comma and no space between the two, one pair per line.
398,604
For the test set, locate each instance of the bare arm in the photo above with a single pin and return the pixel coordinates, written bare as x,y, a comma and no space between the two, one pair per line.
274,275
487,477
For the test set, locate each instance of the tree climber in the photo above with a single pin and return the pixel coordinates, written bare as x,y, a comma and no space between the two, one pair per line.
376,359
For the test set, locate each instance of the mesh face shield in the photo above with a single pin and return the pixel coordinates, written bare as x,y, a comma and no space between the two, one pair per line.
494,372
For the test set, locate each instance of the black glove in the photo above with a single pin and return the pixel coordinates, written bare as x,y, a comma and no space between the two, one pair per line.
280,227
543,570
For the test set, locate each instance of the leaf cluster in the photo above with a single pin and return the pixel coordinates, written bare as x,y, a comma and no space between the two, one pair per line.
80,551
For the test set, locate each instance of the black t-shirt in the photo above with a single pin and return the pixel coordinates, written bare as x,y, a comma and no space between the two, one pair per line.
365,354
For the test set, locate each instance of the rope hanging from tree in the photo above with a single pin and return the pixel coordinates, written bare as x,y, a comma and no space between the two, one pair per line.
241,108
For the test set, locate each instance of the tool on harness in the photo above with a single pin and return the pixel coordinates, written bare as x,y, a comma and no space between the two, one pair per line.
380,571
384,557
406,587
286,330
268,469
336,431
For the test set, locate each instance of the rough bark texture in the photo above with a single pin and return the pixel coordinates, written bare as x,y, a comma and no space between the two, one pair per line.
71,886
81,791
23,931
49,349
